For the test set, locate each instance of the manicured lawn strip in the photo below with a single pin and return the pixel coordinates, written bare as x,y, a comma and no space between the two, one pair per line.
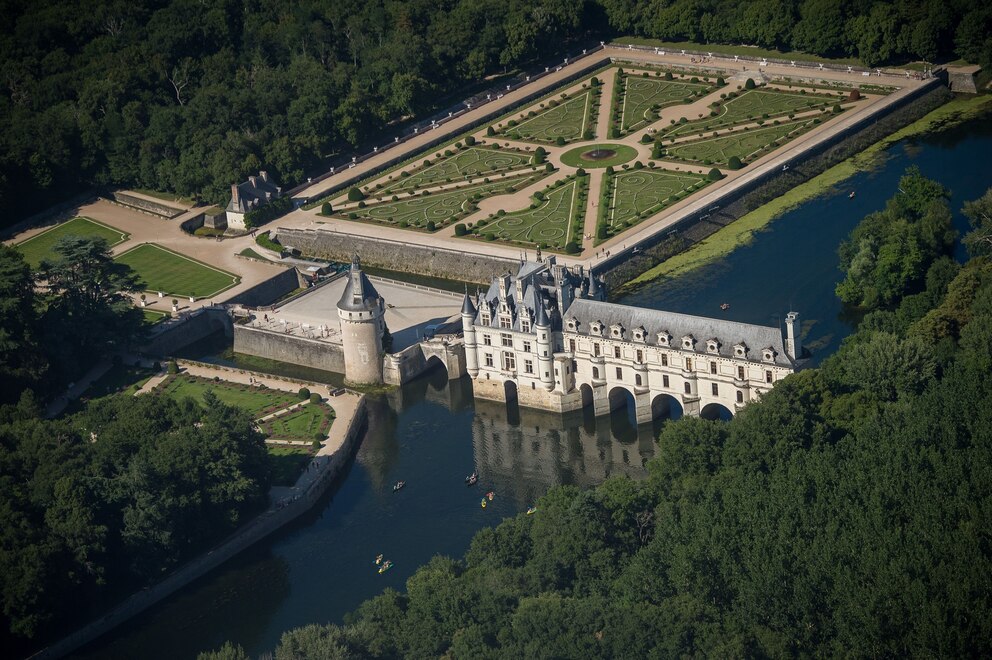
152,316
574,157
257,400
301,424
567,120
287,463
175,274
39,247
469,162
638,194
251,254
746,145
548,224
441,208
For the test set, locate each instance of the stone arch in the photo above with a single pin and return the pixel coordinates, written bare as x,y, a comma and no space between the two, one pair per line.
433,362
620,397
666,406
587,395
512,405
510,390
622,413
716,411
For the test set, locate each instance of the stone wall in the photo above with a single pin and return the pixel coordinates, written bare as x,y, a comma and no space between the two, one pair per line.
623,266
962,81
288,348
268,290
397,255
172,335
156,208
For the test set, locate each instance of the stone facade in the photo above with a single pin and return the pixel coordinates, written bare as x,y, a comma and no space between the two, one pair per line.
546,337
249,196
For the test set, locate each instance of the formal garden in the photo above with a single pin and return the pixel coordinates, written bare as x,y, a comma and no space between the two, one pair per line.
631,196
736,150
559,120
460,164
39,247
638,98
256,399
162,270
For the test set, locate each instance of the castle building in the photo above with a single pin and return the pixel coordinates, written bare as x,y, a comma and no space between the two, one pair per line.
546,337
361,310
249,196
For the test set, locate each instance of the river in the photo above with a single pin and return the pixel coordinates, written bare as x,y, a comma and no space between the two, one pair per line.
431,433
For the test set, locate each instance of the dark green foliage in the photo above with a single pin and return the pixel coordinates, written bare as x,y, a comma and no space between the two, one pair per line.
314,398
714,174
572,248
580,172
270,211
431,226
460,229
560,141
734,163
749,83
325,208
490,131
979,214
355,194
172,368
304,393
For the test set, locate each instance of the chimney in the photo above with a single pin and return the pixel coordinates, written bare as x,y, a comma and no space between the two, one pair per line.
253,181
793,342
264,175
235,198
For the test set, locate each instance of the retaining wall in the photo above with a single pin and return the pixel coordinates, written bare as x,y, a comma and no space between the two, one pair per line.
170,336
161,209
288,348
268,290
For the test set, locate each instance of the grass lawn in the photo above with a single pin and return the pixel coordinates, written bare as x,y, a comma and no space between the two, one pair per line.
643,95
746,145
550,223
638,194
121,380
175,274
568,119
251,254
441,208
623,153
469,162
259,401
301,424
39,247
152,317
287,463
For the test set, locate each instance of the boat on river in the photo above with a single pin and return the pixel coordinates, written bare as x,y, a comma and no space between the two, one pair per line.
531,510
398,485
378,560
471,479
385,566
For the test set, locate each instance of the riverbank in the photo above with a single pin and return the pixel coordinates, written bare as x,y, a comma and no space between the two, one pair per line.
741,232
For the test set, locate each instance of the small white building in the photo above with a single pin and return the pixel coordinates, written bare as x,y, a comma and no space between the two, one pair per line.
546,337
251,195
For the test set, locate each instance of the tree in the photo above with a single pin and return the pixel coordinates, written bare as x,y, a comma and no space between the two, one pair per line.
21,361
304,393
714,174
979,214
355,194
325,208
734,163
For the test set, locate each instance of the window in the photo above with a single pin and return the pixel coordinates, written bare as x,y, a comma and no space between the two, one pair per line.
688,364
640,356
716,390
525,325
571,345
664,381
509,361
595,373
688,388
664,360
740,373
740,397
637,379
528,366
712,367
506,339
595,349
526,347
487,340
489,359
485,319
504,322
619,373
768,376
616,352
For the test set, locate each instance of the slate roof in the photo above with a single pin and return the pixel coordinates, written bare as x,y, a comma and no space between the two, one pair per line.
359,295
252,193
728,333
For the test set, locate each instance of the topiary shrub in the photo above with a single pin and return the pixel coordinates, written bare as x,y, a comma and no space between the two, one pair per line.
325,208
601,232
836,109
668,75
469,141
734,163
314,397
304,393
580,172
172,368
431,226
490,132
355,195
749,84
490,236
714,175
548,167
854,95
460,229
609,169
560,141
572,247
614,133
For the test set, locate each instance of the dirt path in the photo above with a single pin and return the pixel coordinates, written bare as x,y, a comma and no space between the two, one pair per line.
608,78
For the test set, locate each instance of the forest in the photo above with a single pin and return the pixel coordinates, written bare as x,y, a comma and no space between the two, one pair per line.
844,514
190,96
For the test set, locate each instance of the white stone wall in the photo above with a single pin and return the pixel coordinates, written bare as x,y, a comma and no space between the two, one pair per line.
361,334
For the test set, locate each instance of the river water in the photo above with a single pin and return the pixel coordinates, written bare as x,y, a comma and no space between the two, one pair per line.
431,433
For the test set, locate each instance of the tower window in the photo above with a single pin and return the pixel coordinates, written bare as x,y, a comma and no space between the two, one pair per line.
640,356
688,364
571,345
595,349
506,339
525,325
619,373
637,379
664,360
595,373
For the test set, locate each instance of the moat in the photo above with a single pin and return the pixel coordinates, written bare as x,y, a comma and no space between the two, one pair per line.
431,433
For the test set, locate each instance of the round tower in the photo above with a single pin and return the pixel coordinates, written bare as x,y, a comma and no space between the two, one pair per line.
361,311
468,331
545,353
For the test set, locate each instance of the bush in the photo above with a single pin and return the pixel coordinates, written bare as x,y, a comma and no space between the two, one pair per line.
325,208
638,165
572,247
314,397
580,172
609,169
854,95
601,232
490,132
560,141
614,133
460,229
749,84
431,226
355,195
836,109
172,368
714,175
361,205
668,75
548,167
721,82
304,393
734,162
594,81
490,236
645,139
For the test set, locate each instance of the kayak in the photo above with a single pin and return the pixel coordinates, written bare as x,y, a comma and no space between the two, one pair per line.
399,484
378,560
386,566
532,510
484,502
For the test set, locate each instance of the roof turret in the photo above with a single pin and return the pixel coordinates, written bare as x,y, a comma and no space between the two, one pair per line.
359,295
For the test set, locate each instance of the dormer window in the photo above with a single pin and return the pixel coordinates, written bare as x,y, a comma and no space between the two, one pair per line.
505,322
712,346
688,342
740,350
485,317
768,354
664,339
524,325
616,331
596,328
638,334
571,324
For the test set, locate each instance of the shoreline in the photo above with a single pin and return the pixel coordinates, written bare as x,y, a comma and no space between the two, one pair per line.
741,232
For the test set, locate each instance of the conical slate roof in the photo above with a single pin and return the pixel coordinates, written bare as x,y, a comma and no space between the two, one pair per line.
593,285
541,316
359,295
467,306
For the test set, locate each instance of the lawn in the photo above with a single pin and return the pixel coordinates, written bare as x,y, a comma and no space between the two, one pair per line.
622,154
39,247
550,223
567,119
469,162
287,463
152,317
441,208
301,424
746,145
258,400
642,96
164,270
640,193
